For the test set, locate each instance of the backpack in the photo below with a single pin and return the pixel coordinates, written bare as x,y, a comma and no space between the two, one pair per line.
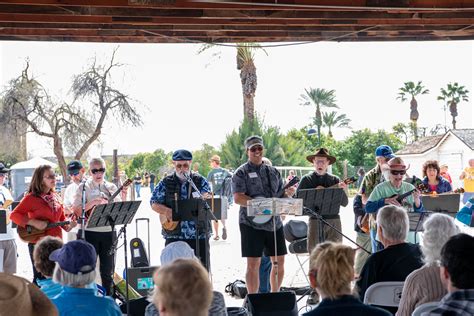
237,288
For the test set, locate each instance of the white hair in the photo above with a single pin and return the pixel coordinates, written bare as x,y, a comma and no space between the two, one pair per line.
438,228
394,222
73,280
97,160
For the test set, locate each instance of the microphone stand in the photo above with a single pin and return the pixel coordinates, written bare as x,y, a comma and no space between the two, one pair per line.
83,213
207,210
322,220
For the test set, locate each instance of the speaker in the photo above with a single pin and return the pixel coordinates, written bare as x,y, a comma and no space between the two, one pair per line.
274,304
137,307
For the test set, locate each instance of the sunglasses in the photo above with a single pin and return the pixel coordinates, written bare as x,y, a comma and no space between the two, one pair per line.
256,148
101,170
398,172
74,173
50,177
184,165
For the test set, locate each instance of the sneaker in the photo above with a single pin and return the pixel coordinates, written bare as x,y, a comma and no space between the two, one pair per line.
224,233
313,298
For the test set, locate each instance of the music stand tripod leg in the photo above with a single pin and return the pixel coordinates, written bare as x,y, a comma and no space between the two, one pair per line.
275,263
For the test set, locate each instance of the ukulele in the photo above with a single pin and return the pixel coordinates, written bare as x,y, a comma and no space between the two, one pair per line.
112,197
347,181
167,224
31,234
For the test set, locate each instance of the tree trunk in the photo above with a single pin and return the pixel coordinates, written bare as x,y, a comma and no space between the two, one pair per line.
454,112
318,123
248,79
249,107
58,152
415,130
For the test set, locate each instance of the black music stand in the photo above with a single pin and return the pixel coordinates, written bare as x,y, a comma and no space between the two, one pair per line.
442,203
3,221
198,211
112,214
324,202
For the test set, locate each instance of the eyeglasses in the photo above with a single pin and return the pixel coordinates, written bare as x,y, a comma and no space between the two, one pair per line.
256,148
184,165
398,172
50,177
101,170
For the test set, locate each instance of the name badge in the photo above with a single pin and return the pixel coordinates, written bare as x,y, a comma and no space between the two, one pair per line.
253,175
195,195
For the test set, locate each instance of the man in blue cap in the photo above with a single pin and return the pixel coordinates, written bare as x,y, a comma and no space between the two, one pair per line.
76,171
383,154
176,186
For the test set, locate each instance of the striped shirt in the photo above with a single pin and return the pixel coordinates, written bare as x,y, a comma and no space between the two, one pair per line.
421,286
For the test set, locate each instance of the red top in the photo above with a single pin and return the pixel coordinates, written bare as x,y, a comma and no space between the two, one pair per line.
33,207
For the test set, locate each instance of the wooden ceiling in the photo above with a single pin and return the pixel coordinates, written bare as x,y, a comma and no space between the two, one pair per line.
184,21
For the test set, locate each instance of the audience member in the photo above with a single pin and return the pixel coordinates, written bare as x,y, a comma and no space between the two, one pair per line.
433,180
398,258
75,270
424,285
19,297
443,171
43,265
468,176
331,273
465,213
181,250
457,275
185,278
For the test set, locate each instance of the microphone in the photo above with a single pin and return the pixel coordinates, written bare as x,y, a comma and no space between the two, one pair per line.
187,176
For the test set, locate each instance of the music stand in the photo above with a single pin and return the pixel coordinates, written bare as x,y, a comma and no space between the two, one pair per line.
442,203
324,202
112,214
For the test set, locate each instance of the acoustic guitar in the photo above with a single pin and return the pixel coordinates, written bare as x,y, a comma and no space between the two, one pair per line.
31,234
4,208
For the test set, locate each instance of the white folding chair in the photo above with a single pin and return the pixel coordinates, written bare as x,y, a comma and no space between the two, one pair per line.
384,294
424,308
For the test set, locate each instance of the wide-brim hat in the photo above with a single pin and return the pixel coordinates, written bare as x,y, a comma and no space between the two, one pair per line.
397,164
322,152
20,297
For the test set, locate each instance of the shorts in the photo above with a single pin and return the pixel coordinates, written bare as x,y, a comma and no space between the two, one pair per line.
255,242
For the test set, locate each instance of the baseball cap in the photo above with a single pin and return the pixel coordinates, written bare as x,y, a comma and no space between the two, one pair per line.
76,257
182,155
74,166
384,151
252,141
3,169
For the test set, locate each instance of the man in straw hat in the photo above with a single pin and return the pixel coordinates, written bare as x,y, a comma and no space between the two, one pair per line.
387,192
19,297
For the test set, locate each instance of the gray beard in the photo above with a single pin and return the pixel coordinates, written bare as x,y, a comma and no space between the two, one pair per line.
181,176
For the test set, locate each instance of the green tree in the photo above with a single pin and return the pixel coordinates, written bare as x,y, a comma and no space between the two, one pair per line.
202,157
452,96
411,89
402,130
332,119
319,98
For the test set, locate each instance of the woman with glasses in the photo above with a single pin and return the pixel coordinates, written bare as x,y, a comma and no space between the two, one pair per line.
432,179
39,207
391,193
98,191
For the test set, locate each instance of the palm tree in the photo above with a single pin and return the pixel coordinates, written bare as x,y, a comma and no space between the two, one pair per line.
332,119
319,98
452,96
409,88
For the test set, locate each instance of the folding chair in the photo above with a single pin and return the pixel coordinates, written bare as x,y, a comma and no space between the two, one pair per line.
423,308
384,294
295,233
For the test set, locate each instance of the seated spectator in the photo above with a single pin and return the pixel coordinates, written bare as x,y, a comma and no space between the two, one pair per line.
424,285
75,270
182,289
20,297
181,250
398,258
43,265
331,273
465,213
433,181
457,275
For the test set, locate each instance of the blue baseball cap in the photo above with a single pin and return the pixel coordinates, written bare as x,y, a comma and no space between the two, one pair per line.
384,151
182,155
74,166
76,257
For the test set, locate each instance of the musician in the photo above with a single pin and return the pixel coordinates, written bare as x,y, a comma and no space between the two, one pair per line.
163,198
40,207
432,180
383,154
7,240
76,172
320,178
255,179
387,192
98,191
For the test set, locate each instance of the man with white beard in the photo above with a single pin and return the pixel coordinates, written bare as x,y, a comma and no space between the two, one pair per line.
164,197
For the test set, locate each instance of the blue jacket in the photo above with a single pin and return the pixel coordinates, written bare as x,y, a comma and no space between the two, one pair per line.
83,302
442,187
345,305
465,213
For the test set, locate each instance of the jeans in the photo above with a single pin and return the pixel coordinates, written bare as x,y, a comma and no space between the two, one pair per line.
36,275
137,189
264,274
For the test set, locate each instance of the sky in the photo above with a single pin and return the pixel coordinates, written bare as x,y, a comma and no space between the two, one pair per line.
187,99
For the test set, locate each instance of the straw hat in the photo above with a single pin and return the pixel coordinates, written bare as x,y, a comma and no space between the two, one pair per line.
20,297
397,163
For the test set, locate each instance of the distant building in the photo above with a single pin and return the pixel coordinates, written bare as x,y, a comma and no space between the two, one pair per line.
453,148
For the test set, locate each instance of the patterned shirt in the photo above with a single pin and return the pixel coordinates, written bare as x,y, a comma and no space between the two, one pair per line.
188,228
459,303
370,181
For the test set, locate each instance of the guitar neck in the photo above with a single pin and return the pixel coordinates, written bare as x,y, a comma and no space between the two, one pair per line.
114,195
51,225
404,195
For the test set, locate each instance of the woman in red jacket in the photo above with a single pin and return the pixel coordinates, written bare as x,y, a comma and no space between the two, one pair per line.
41,206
